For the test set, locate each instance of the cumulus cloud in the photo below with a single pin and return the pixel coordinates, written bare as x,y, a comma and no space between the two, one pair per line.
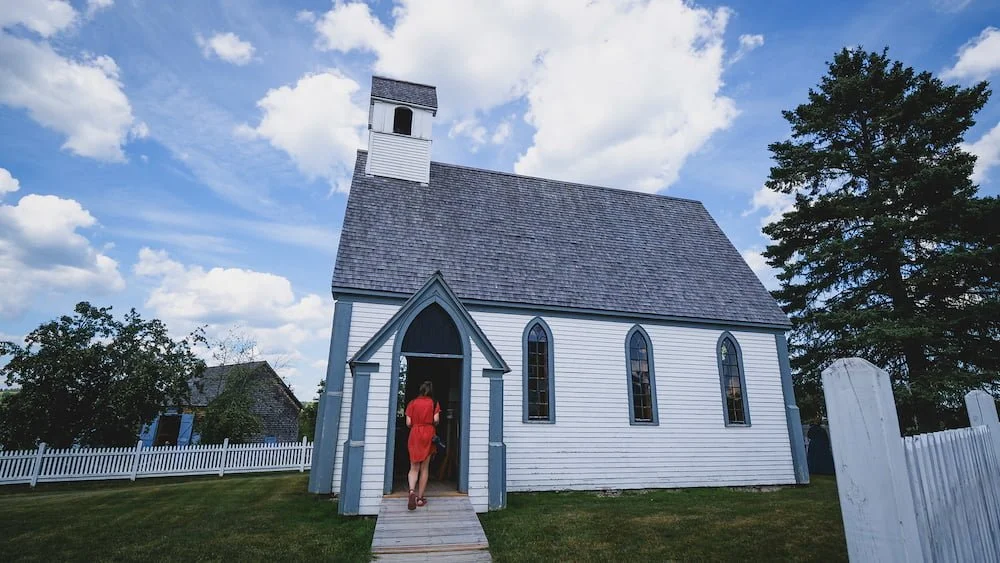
81,99
775,203
987,151
42,250
978,58
263,305
44,17
765,273
347,26
747,43
227,46
8,183
316,122
502,133
600,77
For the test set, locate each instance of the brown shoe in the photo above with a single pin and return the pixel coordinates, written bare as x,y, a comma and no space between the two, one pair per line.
411,504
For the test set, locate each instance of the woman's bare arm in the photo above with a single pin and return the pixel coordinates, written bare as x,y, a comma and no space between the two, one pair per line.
437,418
409,423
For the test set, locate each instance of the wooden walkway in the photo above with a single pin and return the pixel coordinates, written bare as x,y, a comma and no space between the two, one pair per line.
446,530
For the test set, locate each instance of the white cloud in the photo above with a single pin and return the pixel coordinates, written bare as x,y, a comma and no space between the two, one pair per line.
987,151
94,6
765,273
775,203
501,133
470,128
139,131
8,183
82,100
230,295
316,122
347,26
747,43
262,305
600,77
227,46
44,17
41,250
978,58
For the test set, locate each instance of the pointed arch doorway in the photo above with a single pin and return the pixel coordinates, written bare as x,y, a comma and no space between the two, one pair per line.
430,347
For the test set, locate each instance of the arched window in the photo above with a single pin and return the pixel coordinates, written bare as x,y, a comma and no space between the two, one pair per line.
402,121
539,398
641,382
734,386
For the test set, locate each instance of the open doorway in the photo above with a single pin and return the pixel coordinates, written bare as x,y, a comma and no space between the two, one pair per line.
432,351
445,374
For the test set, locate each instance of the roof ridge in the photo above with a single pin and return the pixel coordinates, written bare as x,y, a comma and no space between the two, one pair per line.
578,184
383,77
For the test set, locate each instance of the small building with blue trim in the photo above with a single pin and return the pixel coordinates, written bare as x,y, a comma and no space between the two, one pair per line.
273,402
578,337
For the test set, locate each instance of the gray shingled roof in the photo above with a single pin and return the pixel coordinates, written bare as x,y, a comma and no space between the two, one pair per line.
507,238
406,92
213,382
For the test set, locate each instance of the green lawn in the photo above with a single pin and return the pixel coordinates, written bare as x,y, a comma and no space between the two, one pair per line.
682,525
273,518
236,518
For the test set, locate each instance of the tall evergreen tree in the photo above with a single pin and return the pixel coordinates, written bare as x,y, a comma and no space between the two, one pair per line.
888,253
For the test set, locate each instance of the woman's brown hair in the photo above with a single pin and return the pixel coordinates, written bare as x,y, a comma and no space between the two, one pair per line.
426,389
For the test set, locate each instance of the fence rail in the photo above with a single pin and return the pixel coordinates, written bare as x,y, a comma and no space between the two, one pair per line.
90,464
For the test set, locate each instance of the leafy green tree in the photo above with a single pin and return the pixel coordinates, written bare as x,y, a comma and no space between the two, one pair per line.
91,379
231,414
307,416
888,254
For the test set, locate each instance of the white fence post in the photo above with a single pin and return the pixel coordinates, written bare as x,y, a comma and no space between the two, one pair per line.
222,462
37,466
135,460
983,412
873,483
302,454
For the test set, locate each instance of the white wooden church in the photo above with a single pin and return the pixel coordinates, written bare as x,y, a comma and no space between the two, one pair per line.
578,337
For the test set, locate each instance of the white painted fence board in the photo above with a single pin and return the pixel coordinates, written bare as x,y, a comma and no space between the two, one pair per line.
948,487
90,464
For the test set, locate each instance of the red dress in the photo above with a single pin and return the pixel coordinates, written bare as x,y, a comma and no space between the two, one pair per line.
421,412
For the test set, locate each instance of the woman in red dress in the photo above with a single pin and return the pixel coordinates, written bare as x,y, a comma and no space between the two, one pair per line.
422,415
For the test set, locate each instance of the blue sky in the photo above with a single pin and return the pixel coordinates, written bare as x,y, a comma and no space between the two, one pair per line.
190,158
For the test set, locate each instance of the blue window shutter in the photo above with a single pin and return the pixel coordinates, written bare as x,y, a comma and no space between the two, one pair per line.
149,432
184,435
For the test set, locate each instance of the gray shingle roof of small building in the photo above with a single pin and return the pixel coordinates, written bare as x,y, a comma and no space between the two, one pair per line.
501,237
213,383
406,92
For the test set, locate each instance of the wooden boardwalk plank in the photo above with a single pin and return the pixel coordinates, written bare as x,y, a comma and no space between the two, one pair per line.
446,529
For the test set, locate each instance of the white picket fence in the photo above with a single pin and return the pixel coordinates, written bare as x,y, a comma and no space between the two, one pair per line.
931,497
89,464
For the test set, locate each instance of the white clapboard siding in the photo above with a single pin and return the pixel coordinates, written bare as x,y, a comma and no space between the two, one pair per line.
89,464
479,433
399,156
592,444
366,320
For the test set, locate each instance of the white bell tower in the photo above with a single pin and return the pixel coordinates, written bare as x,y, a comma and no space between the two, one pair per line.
399,129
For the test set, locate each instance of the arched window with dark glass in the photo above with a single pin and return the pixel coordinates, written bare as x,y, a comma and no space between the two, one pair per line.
539,396
402,121
641,382
734,387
